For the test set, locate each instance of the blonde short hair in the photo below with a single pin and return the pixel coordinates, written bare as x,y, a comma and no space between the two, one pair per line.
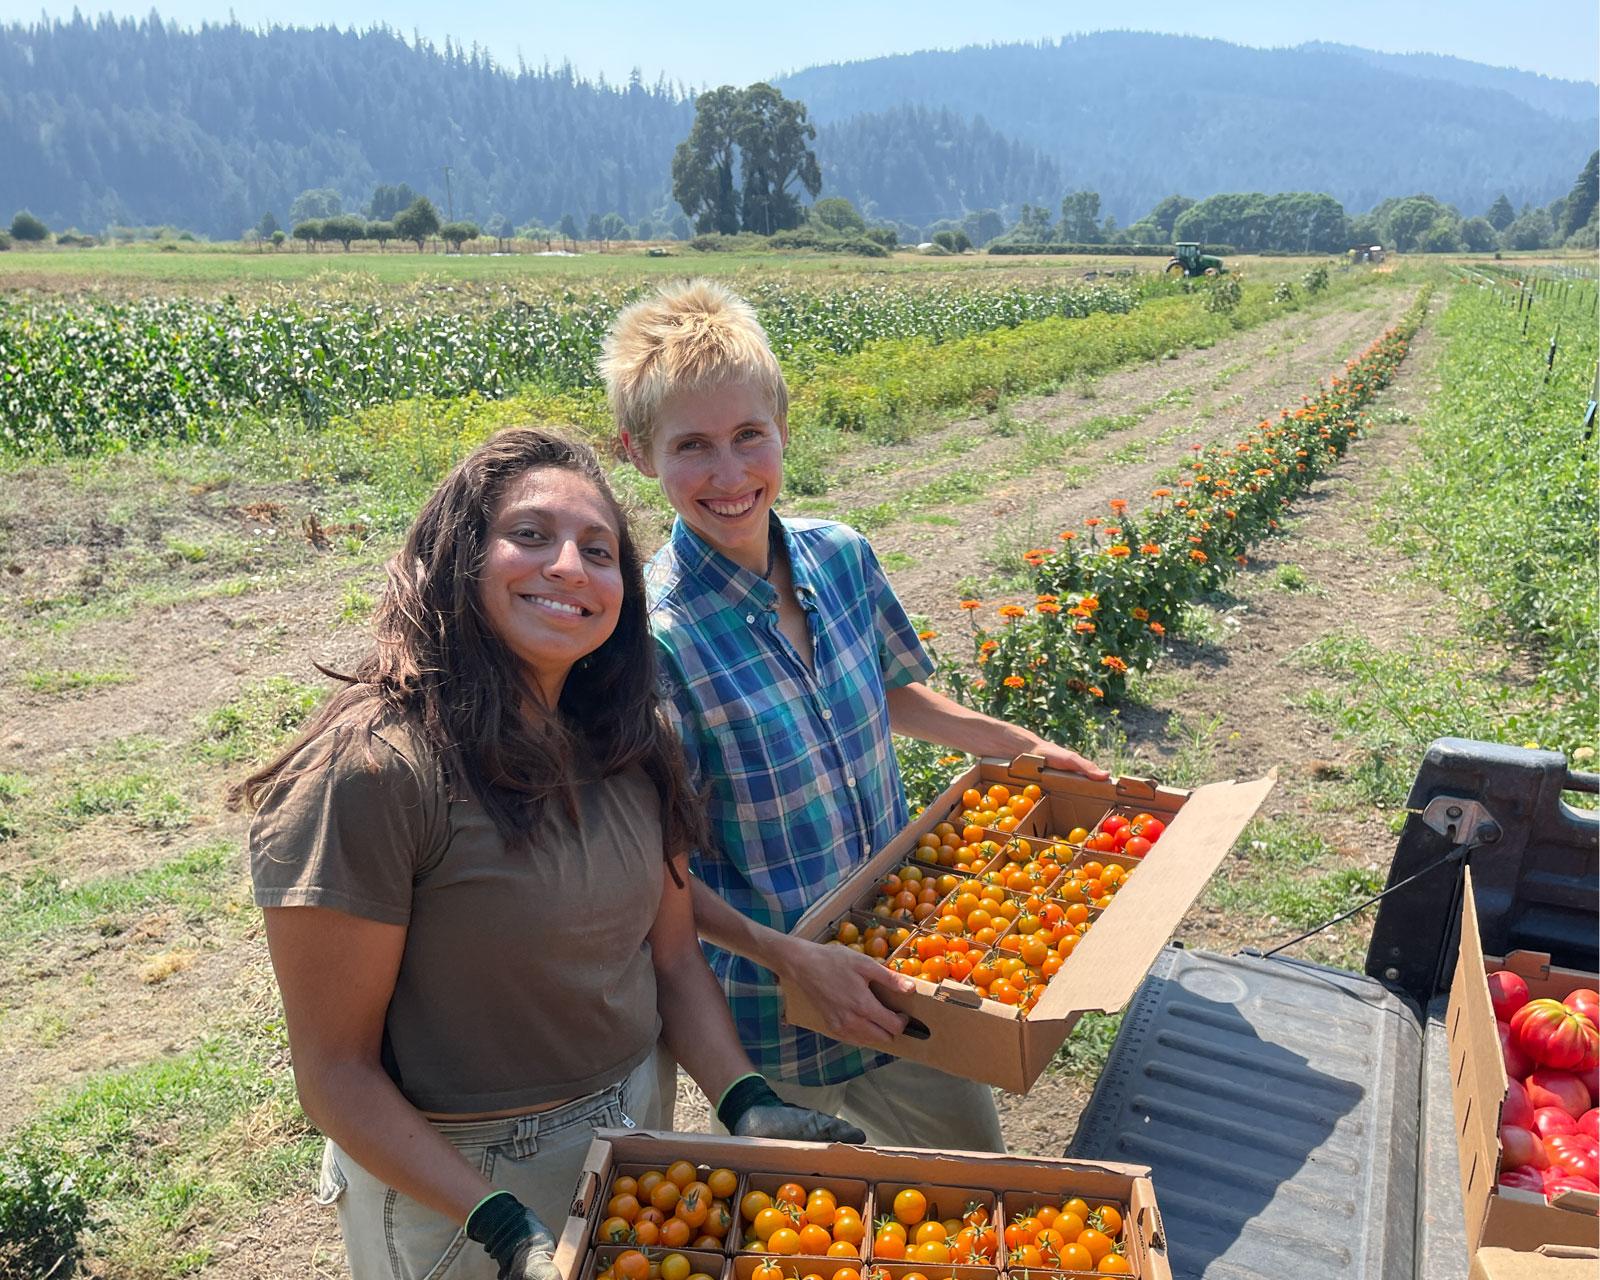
684,337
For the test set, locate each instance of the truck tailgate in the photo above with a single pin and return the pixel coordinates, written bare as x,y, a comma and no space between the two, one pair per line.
1278,1105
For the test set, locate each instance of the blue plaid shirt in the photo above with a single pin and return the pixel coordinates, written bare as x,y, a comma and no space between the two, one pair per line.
797,763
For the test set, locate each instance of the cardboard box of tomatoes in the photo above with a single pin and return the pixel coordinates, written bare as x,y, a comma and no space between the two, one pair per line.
1102,933
827,1211
1510,1216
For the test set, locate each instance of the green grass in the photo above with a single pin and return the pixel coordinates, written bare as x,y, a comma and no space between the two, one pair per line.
1291,577
1084,1054
53,683
13,788
174,1153
1284,877
1392,703
45,903
257,720
145,796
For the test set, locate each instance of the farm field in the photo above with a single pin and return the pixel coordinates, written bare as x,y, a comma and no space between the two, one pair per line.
170,583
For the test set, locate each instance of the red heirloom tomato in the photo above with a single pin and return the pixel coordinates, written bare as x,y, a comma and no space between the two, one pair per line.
1554,1036
1585,1000
1549,1121
1522,1147
1589,1123
1508,992
1558,1180
1557,1089
1576,1154
1517,1109
1523,1178
1518,1064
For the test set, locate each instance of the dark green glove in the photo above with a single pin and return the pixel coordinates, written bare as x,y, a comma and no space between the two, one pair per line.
750,1109
512,1234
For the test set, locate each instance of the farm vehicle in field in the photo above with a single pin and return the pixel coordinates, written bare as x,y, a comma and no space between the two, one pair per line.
1300,1120
1187,260
1366,253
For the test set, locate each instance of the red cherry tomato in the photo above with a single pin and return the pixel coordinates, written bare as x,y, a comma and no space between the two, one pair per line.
1150,829
1136,847
1115,823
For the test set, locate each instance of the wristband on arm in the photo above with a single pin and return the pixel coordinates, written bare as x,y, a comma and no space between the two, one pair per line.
746,1092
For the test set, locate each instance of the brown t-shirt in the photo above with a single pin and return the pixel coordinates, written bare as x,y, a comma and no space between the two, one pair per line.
526,976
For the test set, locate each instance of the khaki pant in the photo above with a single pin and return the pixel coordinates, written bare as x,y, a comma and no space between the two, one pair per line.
388,1236
906,1104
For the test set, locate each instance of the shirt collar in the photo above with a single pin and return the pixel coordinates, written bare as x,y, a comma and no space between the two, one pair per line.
733,582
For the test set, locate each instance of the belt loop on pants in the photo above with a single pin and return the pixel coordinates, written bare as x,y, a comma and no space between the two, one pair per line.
525,1137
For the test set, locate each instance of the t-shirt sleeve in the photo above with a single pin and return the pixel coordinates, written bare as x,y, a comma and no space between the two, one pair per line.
347,824
901,657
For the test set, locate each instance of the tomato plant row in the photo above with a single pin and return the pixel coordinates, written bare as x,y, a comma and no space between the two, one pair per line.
1107,593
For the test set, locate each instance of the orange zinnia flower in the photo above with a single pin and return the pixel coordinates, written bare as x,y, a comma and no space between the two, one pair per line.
927,635
1140,615
1114,664
1158,628
1119,551
1150,549
1013,682
1067,535
972,604
1091,521
1161,493
1084,628
988,646
1097,691
1119,505
1012,611
1048,606
1199,557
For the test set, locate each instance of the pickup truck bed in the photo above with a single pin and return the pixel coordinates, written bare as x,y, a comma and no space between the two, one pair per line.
1297,1119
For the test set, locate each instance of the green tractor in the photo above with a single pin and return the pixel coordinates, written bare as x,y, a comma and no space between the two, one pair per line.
1187,260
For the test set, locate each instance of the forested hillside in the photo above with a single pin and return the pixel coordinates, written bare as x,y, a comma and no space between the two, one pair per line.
1138,116
140,123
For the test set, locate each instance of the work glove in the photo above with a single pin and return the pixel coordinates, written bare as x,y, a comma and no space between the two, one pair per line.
750,1109
512,1234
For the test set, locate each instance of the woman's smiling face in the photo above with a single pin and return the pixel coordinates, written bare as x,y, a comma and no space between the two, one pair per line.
551,587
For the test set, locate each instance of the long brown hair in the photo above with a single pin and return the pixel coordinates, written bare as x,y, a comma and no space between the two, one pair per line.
436,661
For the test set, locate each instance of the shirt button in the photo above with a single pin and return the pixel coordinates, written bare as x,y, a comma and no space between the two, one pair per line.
826,714
750,618
850,780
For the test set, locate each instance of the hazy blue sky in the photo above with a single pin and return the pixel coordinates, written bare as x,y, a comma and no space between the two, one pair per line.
1553,37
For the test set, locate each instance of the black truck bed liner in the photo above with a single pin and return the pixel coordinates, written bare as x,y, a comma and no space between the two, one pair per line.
1277,1104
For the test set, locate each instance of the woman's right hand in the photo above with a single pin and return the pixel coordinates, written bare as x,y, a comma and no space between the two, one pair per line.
842,984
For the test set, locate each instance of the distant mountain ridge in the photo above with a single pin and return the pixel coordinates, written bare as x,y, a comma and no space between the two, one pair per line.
140,122
1567,99
1138,116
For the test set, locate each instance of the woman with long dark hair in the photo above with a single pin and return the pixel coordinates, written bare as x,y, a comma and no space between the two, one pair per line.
472,869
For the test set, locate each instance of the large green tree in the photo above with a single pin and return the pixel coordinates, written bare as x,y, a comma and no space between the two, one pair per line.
417,221
703,164
1080,218
1582,199
745,161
